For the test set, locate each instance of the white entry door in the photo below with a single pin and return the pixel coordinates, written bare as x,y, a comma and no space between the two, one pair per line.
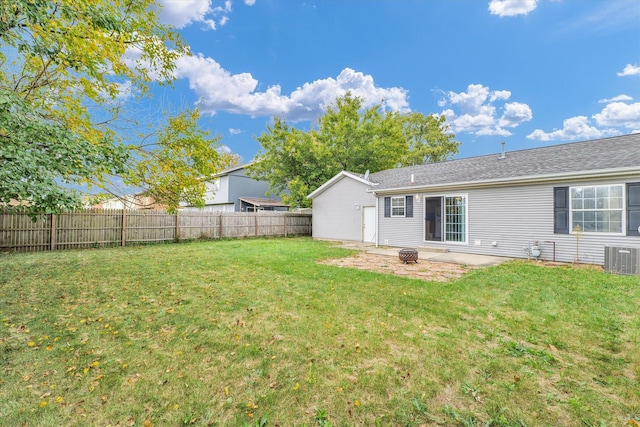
369,224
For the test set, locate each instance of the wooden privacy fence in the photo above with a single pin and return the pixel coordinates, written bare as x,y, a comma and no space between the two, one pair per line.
118,227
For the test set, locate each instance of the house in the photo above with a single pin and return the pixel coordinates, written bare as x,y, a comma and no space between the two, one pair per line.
564,202
232,190
345,209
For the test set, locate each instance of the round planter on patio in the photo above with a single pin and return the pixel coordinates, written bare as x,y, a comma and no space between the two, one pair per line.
408,255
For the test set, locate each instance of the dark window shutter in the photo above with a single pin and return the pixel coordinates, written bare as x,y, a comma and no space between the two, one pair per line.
387,207
409,207
561,210
633,209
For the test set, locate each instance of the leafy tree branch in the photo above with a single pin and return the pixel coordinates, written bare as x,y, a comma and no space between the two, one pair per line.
63,63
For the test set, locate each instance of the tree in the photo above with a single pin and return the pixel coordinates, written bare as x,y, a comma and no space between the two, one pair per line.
427,138
36,156
63,65
347,138
173,172
291,161
356,140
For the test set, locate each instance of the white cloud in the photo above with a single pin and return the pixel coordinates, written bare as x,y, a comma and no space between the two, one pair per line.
514,114
574,128
621,97
512,7
133,58
181,13
499,94
234,131
615,118
470,101
249,2
619,114
477,113
219,90
630,70
226,8
126,91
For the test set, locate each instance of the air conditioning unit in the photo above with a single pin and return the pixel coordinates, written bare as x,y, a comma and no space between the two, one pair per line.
622,260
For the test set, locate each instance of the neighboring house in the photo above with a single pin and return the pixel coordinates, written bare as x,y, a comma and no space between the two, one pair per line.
499,204
232,190
133,201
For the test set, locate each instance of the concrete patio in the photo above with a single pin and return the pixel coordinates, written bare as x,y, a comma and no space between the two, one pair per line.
429,255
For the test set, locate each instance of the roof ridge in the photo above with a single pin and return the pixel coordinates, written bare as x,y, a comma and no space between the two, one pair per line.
609,153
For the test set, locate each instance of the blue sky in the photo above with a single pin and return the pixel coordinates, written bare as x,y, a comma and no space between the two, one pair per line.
528,72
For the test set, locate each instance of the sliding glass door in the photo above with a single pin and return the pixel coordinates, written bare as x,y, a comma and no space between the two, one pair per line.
445,219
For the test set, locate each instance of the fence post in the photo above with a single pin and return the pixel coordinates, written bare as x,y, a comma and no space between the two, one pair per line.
124,226
177,238
256,223
221,228
54,218
285,224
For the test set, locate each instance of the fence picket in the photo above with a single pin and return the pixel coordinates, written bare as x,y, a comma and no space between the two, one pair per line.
108,227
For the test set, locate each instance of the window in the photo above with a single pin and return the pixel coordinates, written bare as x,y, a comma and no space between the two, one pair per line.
397,206
445,219
215,184
597,209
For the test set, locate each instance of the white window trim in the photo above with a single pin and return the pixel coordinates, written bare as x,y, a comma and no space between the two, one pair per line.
466,218
404,206
596,233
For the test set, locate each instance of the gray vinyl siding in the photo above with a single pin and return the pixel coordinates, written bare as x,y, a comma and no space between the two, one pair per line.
224,192
401,231
335,215
217,191
513,218
241,185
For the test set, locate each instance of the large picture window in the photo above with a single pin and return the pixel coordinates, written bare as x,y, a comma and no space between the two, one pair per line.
597,209
445,219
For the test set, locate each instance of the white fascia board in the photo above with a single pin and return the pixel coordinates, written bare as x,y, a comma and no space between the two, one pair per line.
332,181
232,169
506,182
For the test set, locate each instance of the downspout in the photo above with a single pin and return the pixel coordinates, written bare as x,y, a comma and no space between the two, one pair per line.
376,220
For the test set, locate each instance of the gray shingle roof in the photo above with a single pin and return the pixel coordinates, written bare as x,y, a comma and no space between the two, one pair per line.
588,156
263,202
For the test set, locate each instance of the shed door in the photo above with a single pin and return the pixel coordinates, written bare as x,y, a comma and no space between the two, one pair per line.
369,224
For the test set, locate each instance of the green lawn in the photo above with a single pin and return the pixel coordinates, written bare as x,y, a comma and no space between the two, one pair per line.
256,332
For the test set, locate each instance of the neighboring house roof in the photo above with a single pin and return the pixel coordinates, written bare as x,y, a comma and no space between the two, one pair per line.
263,203
129,201
615,156
230,170
339,177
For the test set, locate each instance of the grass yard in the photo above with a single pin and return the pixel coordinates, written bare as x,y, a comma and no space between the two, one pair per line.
257,333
